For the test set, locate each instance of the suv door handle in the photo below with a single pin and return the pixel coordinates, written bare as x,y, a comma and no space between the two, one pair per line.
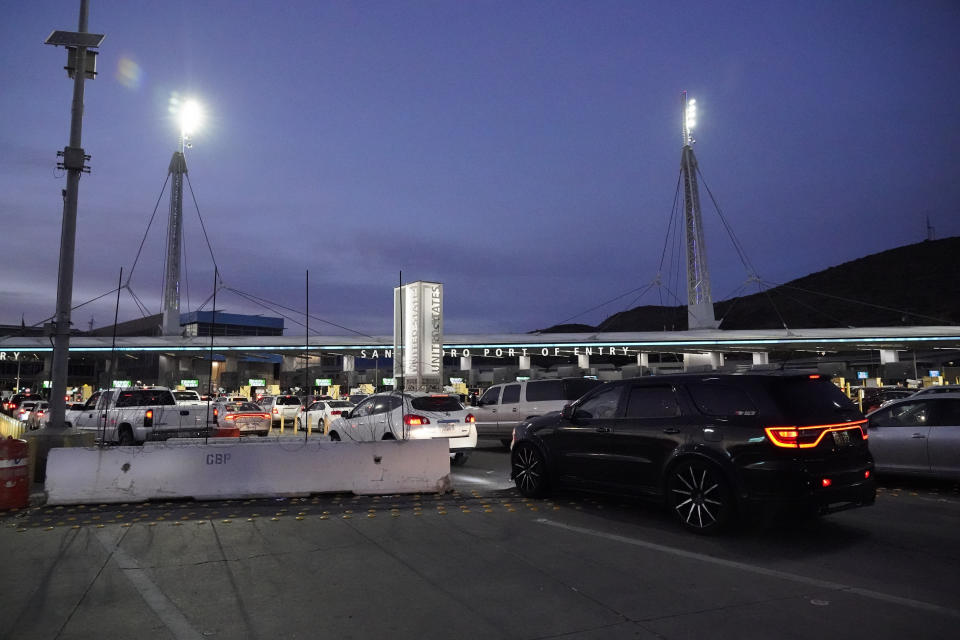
918,435
604,429
671,430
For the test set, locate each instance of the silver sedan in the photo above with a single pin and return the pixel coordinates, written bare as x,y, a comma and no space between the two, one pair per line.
919,436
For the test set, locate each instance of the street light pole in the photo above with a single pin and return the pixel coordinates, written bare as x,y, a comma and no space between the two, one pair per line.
74,161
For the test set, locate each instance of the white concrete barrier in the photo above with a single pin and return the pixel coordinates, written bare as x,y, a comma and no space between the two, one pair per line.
245,468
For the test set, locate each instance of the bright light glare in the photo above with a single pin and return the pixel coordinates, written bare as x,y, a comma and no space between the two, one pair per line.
190,117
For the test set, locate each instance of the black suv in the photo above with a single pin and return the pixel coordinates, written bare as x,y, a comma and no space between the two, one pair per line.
711,446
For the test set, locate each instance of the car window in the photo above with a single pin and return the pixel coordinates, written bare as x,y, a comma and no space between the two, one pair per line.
288,400
907,414
491,396
539,390
338,404
316,406
436,403
811,400
92,401
381,405
364,408
602,404
652,402
511,394
575,389
948,413
721,400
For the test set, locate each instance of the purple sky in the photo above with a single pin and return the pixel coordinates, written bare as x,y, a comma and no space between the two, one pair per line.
525,154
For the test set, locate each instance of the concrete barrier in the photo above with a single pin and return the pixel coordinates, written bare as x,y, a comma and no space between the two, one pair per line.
245,468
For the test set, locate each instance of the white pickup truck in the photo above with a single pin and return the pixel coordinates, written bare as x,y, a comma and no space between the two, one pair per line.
132,416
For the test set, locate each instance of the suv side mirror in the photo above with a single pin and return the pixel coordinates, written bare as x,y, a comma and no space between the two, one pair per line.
567,412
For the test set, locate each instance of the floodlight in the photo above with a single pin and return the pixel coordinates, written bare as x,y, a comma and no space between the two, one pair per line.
190,117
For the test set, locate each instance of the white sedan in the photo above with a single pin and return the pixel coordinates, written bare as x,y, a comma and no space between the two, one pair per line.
412,415
319,414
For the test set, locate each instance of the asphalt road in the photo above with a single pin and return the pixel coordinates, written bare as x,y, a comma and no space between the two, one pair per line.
478,563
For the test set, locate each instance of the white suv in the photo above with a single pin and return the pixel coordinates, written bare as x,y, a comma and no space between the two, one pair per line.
286,407
412,415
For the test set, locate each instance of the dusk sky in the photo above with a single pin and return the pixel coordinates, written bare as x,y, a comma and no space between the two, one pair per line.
524,154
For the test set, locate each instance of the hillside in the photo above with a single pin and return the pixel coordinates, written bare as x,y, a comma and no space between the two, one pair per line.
918,284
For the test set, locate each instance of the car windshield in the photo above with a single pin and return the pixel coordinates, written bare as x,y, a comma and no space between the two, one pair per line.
436,403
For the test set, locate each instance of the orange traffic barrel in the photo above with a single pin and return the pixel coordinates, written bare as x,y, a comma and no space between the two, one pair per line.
14,474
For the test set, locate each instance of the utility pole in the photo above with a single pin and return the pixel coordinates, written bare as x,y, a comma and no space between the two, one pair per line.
81,64
699,300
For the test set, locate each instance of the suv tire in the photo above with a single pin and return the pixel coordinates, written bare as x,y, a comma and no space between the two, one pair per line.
699,496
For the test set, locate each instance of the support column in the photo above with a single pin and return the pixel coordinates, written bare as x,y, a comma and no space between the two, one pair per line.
349,363
583,361
761,357
524,362
888,355
466,363
643,360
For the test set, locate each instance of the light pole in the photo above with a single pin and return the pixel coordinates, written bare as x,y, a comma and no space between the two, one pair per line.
81,64
189,116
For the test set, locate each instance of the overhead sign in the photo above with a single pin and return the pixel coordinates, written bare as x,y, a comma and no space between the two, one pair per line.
122,384
257,382
190,383
322,382
389,382
418,334
862,375
934,373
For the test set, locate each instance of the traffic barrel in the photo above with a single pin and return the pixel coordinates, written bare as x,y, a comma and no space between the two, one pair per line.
14,474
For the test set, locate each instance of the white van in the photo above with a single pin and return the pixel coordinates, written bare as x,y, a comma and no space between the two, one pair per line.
504,406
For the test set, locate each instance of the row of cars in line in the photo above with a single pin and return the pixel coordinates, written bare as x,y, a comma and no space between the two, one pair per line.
714,446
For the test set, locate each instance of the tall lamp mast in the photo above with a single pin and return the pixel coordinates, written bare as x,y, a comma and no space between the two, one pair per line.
699,301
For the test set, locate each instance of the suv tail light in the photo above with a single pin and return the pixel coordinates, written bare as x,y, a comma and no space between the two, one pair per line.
470,419
809,437
413,420
148,418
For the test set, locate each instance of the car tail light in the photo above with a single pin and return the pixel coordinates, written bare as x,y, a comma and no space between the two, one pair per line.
148,418
826,482
470,419
808,437
866,474
413,420
276,411
335,412
230,417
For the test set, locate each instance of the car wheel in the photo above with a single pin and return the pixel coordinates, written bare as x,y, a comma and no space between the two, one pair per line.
699,496
460,458
126,437
334,436
529,470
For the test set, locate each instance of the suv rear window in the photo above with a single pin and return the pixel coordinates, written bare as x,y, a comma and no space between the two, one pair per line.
436,403
811,400
288,400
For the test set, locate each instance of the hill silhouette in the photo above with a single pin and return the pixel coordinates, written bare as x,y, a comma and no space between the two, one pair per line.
917,284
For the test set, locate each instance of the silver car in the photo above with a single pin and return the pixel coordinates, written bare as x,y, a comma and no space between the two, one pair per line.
412,415
919,435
